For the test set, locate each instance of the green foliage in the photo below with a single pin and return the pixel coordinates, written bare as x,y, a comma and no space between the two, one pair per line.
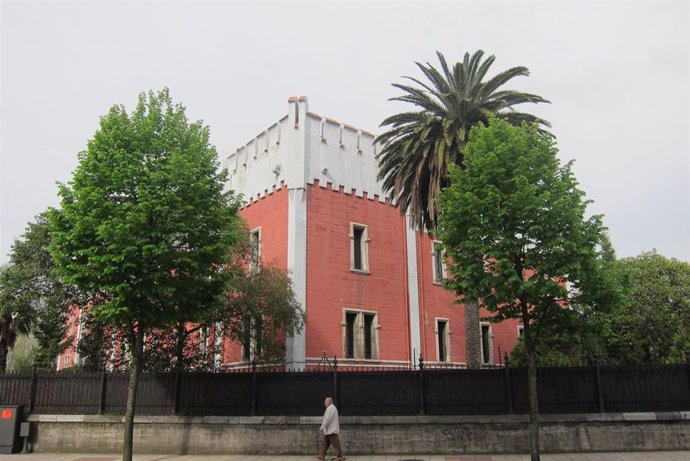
145,219
264,294
21,358
513,222
33,295
419,146
653,324
262,310
649,325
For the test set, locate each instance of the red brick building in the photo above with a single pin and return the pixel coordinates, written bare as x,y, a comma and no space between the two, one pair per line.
369,284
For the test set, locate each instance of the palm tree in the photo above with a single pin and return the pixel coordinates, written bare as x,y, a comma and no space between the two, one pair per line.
420,145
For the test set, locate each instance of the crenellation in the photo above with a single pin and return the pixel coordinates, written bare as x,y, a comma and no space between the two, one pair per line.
319,149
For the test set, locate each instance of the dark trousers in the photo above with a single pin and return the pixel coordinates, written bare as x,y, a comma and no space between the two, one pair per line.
328,440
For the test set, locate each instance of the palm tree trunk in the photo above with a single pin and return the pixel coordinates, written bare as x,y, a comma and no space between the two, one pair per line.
473,349
134,367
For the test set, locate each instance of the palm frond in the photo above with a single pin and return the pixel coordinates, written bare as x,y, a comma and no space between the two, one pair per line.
419,145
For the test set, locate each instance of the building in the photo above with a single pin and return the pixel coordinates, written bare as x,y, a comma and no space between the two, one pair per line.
368,282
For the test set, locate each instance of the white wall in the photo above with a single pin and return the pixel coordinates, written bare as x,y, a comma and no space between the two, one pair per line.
294,151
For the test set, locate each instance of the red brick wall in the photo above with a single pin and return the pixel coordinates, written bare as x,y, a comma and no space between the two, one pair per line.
437,302
271,213
332,286
71,331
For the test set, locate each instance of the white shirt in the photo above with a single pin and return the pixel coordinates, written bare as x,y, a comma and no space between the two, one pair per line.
330,423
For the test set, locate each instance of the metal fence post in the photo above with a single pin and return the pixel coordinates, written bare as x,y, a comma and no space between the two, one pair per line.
253,410
688,361
509,387
176,392
421,385
32,390
101,396
600,393
335,380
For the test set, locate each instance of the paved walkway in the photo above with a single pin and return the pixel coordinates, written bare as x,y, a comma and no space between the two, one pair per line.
637,456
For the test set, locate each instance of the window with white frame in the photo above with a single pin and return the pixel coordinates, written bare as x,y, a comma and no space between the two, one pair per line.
360,335
255,250
442,340
252,335
487,342
438,258
521,331
359,248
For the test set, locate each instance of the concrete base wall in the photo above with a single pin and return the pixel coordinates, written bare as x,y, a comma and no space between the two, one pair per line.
363,435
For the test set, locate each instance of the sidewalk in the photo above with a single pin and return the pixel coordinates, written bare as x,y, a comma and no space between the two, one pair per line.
636,456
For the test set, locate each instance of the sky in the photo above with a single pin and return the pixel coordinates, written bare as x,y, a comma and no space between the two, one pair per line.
617,74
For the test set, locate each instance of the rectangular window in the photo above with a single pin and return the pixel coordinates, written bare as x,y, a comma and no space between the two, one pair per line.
255,250
359,248
360,335
368,336
438,262
443,340
246,339
486,343
252,335
350,320
521,331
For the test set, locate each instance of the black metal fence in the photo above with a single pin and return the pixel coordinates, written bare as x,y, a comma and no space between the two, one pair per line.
364,392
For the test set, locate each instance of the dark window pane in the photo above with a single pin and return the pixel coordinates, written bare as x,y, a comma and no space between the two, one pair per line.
358,234
486,344
368,335
350,318
442,341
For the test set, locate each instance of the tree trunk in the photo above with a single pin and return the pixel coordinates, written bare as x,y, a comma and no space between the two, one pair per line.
533,403
3,357
473,349
179,347
134,367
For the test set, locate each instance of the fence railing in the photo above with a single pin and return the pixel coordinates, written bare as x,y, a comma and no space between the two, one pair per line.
366,392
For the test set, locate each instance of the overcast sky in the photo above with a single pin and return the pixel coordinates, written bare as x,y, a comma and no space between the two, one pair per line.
616,72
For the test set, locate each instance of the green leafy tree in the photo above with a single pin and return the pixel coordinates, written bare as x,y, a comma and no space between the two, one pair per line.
653,325
513,223
419,146
648,326
32,297
21,357
145,220
583,338
9,328
262,297
262,311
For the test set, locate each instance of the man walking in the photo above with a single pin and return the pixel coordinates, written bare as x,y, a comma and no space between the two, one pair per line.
330,428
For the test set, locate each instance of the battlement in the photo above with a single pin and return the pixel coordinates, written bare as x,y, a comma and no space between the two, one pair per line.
303,148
